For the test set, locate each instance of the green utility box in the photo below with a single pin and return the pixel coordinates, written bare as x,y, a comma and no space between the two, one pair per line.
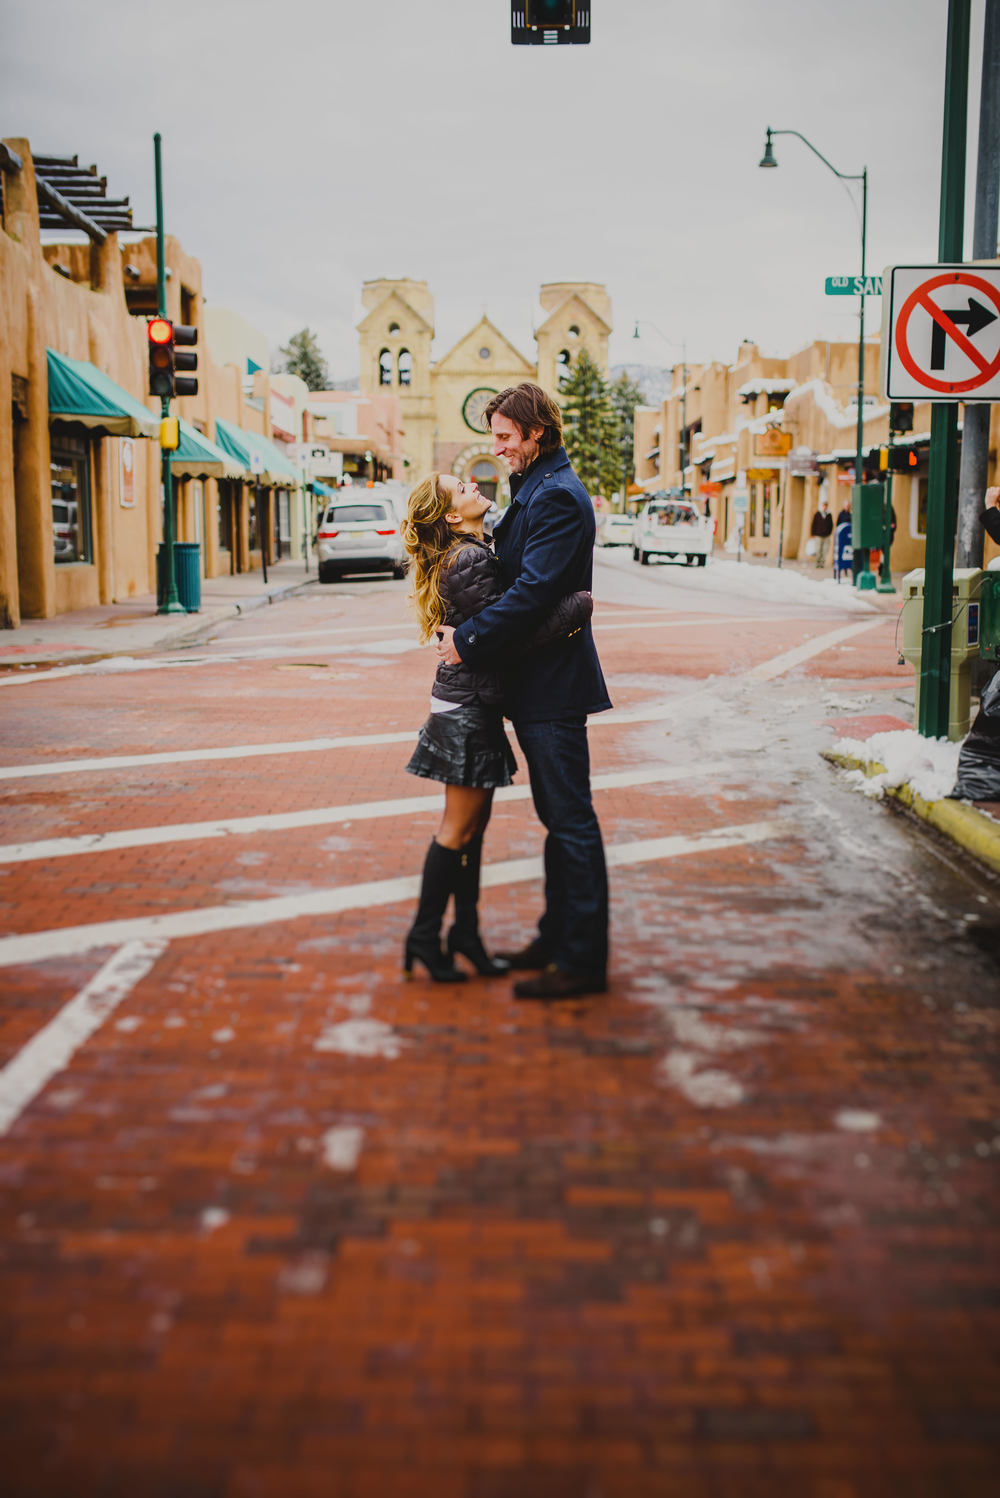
965,605
867,517
187,571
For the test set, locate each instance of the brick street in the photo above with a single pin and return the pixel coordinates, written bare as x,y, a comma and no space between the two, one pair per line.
278,1224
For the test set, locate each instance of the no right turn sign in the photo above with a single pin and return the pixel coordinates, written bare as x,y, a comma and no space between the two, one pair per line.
941,333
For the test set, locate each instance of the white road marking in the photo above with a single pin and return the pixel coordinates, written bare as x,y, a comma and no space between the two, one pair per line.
320,816
768,670
48,1052
40,946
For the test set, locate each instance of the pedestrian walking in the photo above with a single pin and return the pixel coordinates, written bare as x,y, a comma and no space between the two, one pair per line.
821,530
462,743
544,544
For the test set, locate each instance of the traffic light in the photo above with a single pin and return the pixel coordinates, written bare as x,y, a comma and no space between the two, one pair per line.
901,416
160,338
536,23
903,459
184,359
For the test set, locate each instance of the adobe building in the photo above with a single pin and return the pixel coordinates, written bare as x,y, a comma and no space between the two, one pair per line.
81,515
442,402
778,435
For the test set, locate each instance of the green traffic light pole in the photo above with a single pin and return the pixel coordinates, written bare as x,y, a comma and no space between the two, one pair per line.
171,601
942,482
767,160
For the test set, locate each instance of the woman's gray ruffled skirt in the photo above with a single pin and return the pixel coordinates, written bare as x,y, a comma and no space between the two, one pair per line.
464,747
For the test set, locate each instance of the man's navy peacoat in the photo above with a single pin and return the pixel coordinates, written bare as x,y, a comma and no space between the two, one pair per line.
545,545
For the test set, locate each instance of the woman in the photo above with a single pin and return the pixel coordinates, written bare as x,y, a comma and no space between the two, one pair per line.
463,742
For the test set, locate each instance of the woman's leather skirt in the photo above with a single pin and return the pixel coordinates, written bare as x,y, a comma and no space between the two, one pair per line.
465,747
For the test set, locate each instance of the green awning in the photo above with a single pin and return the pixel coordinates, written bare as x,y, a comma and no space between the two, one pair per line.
252,451
198,458
81,392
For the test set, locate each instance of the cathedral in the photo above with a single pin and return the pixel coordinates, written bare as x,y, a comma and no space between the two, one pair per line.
442,401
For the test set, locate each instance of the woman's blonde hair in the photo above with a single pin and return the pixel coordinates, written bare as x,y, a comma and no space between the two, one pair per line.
429,539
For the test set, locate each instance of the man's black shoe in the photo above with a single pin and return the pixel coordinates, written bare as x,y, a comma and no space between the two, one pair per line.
557,983
534,955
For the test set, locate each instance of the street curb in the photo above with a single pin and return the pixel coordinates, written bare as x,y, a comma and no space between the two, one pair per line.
973,830
229,610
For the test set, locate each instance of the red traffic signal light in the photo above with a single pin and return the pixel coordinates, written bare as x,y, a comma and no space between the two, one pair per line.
160,337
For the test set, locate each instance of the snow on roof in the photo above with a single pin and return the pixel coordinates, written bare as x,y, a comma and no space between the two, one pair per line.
836,415
762,386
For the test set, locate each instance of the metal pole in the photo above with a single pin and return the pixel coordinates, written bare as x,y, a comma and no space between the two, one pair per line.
942,495
974,467
171,602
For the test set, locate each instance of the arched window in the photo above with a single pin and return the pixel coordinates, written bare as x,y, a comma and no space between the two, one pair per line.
385,367
563,362
394,327
405,366
574,331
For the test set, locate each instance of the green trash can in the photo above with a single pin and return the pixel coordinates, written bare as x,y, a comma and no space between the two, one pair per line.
187,572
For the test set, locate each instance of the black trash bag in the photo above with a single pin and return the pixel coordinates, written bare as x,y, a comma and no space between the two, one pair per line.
979,760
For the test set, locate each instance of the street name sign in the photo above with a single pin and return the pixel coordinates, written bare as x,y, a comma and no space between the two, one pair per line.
853,285
941,333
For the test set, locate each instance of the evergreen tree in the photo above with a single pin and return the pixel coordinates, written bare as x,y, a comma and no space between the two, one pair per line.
618,449
586,414
302,357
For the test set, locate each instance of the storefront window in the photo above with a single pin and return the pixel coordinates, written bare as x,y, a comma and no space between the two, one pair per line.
765,511
70,500
752,512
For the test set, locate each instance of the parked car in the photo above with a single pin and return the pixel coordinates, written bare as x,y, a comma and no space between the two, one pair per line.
615,530
359,535
670,526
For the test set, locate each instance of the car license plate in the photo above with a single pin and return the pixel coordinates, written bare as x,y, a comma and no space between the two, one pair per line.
355,535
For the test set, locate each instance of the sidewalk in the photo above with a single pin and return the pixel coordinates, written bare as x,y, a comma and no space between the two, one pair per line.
133,627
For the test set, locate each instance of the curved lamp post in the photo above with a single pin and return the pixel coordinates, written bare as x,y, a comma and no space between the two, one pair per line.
685,452
767,160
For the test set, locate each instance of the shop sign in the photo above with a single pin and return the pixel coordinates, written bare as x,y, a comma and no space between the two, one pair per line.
772,443
802,463
763,475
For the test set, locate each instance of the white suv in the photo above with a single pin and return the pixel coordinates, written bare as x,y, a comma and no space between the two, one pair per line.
669,526
359,535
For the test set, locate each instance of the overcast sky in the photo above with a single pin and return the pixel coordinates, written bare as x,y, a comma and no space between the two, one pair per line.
310,145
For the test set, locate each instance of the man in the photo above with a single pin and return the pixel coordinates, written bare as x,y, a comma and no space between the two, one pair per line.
989,516
545,544
822,529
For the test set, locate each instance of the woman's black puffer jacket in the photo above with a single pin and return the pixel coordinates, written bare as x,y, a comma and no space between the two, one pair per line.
469,582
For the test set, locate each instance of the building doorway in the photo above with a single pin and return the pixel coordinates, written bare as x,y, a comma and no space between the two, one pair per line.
487,479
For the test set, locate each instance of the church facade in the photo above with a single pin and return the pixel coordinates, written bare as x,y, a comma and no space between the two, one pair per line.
442,401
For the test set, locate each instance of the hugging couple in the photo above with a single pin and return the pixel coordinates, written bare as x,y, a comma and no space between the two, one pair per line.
514,640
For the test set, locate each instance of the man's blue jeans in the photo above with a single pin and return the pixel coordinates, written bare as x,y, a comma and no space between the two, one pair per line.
574,927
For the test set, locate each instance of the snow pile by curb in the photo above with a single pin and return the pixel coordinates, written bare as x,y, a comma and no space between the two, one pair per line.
928,766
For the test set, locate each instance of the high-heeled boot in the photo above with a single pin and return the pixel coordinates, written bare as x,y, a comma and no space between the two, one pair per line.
423,941
464,935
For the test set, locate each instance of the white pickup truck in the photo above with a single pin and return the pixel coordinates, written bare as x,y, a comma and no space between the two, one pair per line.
670,526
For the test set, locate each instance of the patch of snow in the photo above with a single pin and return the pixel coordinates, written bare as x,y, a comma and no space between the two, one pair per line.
212,1218
858,1120
342,1146
706,1089
224,1034
361,1037
928,766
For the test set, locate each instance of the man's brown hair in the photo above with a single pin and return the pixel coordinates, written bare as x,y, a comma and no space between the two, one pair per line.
528,406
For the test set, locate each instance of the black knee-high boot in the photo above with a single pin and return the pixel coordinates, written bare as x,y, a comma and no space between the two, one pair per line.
464,935
423,942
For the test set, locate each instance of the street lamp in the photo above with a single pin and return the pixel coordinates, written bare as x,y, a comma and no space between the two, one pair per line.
685,440
767,160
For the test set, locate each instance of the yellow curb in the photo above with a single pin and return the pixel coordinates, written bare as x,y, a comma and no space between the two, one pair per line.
973,830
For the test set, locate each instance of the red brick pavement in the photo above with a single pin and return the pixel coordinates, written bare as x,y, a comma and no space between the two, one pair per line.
624,1248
